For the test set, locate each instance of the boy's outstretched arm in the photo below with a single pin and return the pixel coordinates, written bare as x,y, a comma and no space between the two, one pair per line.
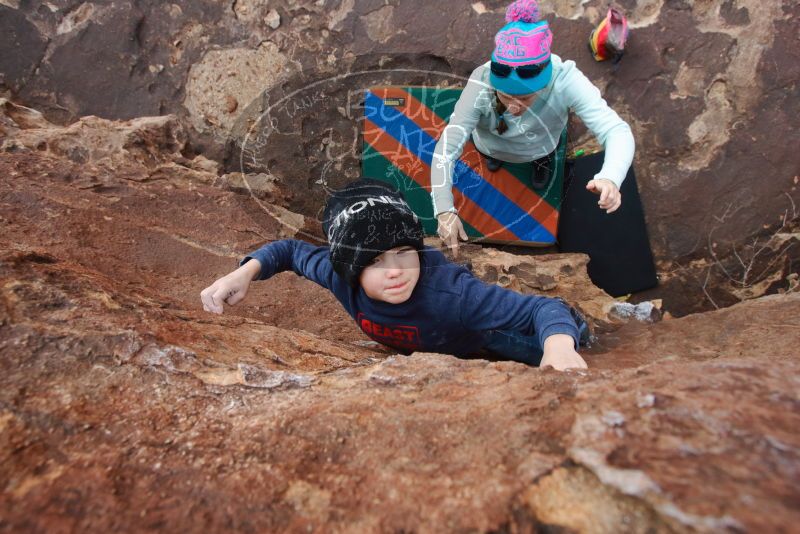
278,256
489,307
231,288
560,354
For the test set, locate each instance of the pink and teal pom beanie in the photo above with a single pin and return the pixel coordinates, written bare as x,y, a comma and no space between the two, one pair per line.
524,40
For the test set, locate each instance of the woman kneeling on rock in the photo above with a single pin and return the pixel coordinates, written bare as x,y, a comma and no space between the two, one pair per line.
515,108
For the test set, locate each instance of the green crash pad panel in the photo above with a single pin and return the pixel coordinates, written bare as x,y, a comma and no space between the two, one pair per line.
400,129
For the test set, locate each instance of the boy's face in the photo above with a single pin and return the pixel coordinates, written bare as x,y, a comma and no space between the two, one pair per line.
392,276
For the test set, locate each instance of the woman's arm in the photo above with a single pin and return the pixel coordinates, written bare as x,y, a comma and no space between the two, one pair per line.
469,108
475,97
611,131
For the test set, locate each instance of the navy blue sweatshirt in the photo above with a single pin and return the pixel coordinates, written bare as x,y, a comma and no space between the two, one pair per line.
449,312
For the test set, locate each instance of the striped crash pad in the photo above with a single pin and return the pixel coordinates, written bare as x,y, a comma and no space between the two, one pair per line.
400,129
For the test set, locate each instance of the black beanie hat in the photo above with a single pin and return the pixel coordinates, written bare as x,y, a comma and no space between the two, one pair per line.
365,219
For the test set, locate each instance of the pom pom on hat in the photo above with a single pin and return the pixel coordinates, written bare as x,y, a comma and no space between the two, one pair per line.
523,11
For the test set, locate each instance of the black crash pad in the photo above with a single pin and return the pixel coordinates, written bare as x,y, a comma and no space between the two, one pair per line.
621,260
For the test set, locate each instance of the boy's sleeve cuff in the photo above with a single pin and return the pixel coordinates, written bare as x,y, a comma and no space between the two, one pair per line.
248,258
561,328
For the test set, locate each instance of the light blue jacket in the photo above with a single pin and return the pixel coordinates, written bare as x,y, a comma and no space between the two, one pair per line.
532,135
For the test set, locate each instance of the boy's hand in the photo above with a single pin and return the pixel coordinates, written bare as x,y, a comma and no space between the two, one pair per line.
450,230
610,197
231,288
559,353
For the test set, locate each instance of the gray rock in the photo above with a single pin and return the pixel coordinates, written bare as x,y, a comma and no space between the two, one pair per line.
273,19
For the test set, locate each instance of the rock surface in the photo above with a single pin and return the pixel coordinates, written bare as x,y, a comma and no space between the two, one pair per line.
148,145
106,426
125,407
557,275
709,88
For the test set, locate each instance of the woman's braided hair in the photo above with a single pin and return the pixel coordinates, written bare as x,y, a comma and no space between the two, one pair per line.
500,109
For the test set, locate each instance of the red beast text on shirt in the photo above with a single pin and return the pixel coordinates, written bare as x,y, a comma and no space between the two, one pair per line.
406,337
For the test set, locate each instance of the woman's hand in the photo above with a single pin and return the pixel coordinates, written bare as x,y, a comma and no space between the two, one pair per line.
450,230
610,197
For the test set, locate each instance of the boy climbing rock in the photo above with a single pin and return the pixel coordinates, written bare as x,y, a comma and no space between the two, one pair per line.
405,295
